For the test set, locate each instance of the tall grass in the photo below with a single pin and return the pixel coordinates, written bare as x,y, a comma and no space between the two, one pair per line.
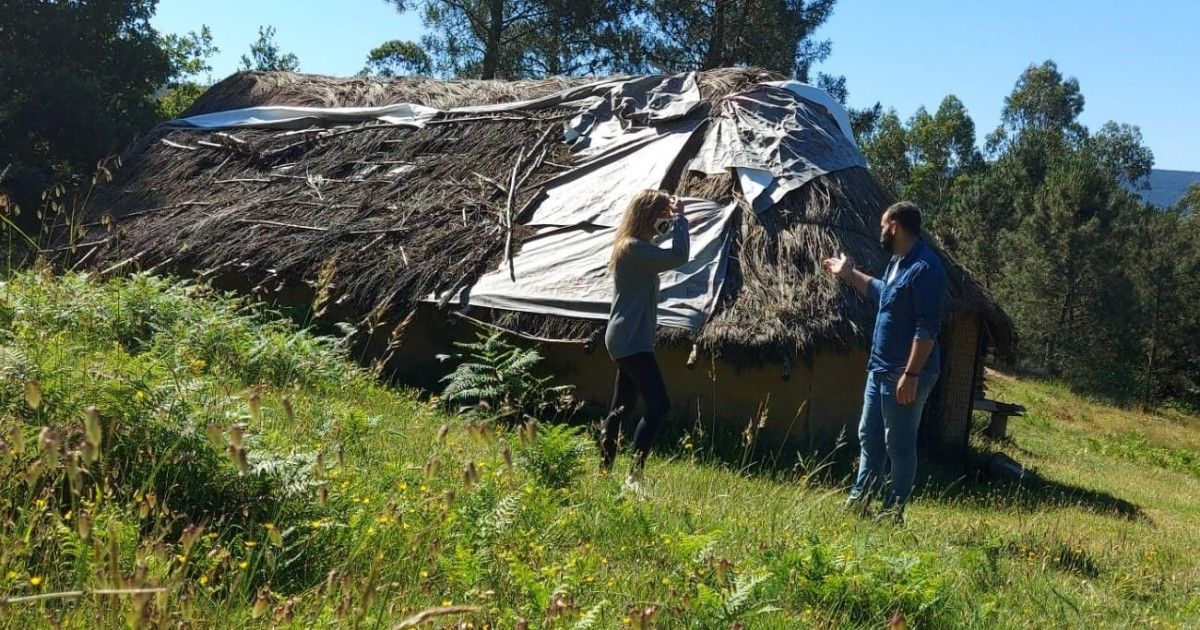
176,457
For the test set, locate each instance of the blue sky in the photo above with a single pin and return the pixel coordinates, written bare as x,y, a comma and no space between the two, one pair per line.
1134,60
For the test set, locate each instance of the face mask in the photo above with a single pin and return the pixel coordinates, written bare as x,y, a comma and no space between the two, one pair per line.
887,241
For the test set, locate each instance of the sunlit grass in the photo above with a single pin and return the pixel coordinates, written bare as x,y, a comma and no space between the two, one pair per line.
248,474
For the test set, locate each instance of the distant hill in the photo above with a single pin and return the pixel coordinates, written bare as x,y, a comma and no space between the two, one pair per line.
1168,187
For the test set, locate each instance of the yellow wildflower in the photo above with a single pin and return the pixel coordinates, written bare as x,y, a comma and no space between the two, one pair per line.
35,580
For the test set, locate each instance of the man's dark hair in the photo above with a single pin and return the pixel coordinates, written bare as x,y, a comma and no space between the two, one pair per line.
907,214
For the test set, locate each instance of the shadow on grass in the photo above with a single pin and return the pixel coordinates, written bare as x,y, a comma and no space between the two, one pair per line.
955,483
963,481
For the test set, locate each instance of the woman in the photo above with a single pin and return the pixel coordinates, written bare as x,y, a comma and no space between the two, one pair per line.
635,264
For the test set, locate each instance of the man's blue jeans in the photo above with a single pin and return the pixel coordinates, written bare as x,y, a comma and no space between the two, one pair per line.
887,433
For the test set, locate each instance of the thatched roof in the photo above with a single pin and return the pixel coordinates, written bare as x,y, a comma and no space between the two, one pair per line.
378,217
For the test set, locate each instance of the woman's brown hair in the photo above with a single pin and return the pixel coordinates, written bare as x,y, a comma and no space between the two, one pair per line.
638,223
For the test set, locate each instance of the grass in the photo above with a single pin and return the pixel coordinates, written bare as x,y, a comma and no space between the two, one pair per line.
238,472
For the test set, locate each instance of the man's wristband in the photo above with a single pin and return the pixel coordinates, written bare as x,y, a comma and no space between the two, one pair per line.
912,374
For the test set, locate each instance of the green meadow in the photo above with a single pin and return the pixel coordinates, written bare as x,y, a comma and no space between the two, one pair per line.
174,457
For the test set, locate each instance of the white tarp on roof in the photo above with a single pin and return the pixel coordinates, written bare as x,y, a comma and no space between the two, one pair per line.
404,114
564,271
275,117
776,140
597,190
630,133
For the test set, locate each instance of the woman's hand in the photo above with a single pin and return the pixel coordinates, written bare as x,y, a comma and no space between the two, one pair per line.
675,206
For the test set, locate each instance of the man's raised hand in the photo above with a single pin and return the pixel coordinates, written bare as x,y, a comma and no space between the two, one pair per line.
840,265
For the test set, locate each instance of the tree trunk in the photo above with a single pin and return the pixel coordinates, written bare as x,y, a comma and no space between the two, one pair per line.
554,62
1148,386
495,30
715,56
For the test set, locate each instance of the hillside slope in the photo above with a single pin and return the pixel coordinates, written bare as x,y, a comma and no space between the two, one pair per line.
237,472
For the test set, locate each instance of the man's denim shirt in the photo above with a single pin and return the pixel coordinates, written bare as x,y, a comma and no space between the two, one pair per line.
910,307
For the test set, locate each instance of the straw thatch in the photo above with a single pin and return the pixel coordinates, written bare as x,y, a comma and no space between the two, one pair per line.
375,218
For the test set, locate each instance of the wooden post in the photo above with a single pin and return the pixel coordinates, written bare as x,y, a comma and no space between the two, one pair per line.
998,427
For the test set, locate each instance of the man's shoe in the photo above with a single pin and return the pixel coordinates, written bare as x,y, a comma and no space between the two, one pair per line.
858,506
892,515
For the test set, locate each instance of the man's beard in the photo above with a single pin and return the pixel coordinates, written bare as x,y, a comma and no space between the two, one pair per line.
887,241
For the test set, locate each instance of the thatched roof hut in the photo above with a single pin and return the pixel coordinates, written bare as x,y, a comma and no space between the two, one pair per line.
379,217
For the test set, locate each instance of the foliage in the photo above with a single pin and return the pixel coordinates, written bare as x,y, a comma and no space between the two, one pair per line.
513,39
190,54
497,378
398,58
922,159
354,509
265,54
76,80
554,454
1042,101
1049,226
688,35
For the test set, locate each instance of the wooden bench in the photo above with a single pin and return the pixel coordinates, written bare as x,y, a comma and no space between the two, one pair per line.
997,428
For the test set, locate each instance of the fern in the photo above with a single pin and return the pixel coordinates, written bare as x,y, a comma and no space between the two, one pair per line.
555,455
591,618
500,519
496,375
739,601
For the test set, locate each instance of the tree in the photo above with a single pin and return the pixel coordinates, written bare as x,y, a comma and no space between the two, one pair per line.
886,149
1044,101
1119,147
1053,233
922,160
190,56
1167,262
1064,276
703,34
398,58
265,54
512,39
76,84
941,147
526,38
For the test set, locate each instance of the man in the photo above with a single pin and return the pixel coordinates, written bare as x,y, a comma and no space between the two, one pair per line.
904,362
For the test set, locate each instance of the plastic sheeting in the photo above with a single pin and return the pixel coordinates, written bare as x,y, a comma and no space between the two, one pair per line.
630,133
276,117
776,141
407,114
564,271
597,190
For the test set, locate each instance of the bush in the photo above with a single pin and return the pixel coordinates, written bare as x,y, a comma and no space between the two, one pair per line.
116,405
553,454
497,379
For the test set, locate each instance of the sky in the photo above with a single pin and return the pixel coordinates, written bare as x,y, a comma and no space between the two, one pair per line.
1135,61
